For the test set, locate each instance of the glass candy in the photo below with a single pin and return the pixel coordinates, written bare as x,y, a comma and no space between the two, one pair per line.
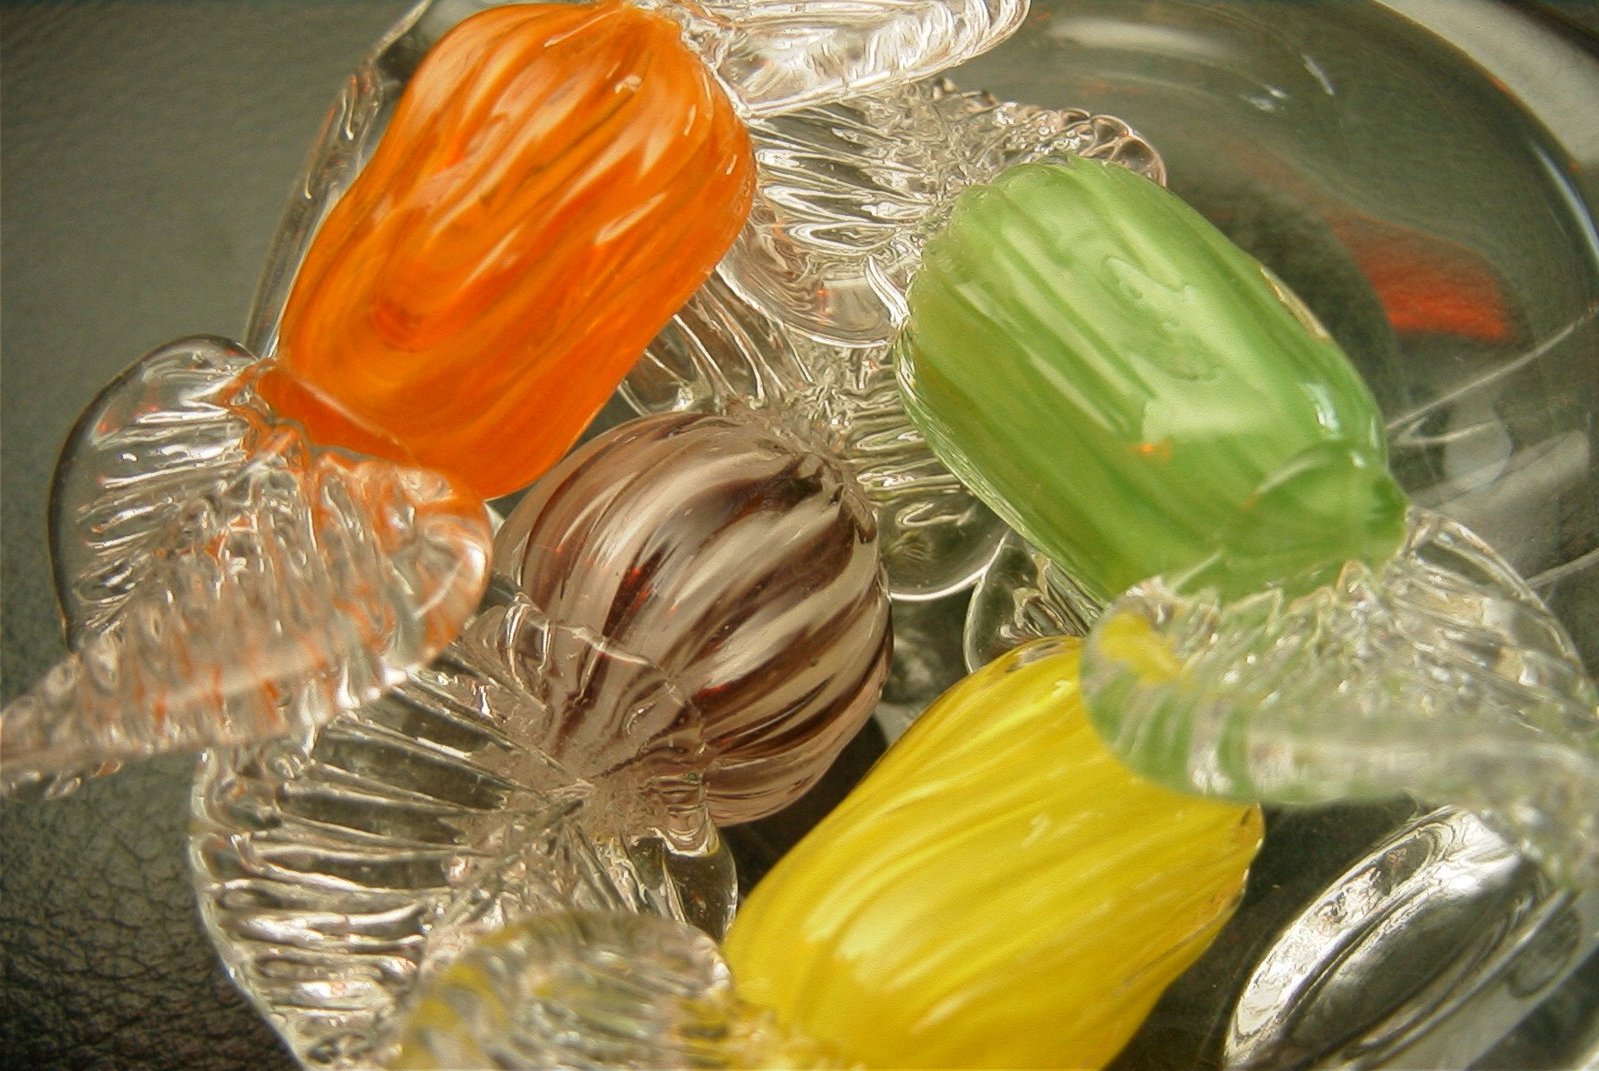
1305,636
769,56
434,319
1146,400
510,230
738,560
806,303
998,892
688,622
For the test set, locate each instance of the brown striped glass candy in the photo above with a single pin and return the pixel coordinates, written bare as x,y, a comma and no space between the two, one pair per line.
738,560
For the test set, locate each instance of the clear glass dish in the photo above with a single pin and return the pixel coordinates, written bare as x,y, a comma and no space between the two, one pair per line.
1439,219
1444,235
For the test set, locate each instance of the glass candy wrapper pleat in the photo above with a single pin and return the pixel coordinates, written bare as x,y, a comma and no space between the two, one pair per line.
850,192
625,687
1145,401
595,990
800,316
1441,674
967,905
227,579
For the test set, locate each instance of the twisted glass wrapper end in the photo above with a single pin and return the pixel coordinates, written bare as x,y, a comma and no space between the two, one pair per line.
334,874
720,353
849,193
774,56
1439,673
587,989
227,580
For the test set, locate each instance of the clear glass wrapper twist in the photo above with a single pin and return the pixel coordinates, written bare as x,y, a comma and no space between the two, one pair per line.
582,990
228,580
1438,673
332,875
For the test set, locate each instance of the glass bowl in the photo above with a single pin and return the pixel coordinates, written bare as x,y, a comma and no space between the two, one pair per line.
1440,231
1438,217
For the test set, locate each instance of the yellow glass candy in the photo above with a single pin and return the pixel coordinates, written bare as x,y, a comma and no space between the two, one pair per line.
999,891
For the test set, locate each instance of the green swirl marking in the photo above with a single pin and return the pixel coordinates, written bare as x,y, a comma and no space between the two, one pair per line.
1135,394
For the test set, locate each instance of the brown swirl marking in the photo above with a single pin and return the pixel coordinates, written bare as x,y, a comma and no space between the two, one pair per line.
740,562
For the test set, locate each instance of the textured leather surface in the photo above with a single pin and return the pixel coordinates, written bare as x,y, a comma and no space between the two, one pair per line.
149,147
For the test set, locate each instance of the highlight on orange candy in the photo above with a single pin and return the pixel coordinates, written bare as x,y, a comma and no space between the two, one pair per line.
555,182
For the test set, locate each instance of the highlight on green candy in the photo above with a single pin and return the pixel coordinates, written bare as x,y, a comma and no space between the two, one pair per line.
1138,396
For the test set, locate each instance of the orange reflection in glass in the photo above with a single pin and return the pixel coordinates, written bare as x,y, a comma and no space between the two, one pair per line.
556,180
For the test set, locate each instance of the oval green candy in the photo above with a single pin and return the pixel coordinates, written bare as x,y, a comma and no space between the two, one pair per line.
1135,394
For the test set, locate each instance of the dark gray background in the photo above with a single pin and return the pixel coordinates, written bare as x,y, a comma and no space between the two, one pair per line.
148,150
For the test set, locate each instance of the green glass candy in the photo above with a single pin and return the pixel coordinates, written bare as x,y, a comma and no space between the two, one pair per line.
1135,394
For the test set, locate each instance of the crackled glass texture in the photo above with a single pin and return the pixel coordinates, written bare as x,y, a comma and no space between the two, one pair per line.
799,318
688,622
227,580
1135,394
1000,891
473,298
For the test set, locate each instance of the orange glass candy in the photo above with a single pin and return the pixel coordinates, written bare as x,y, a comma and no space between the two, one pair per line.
555,182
